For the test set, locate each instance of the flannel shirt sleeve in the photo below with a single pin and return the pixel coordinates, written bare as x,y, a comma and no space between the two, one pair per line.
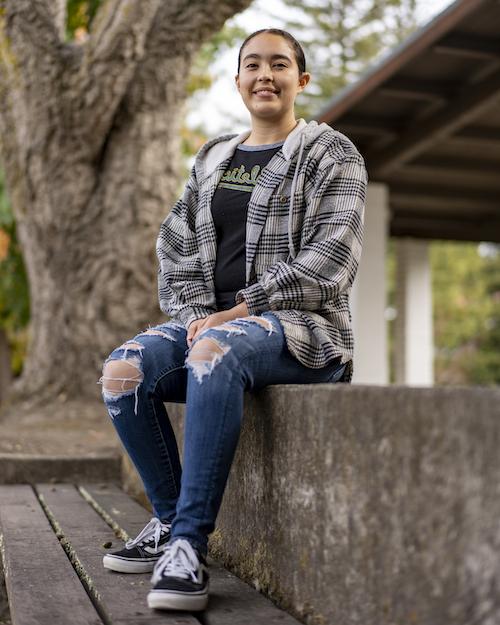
182,290
330,248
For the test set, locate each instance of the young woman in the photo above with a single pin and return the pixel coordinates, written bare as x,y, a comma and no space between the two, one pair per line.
256,263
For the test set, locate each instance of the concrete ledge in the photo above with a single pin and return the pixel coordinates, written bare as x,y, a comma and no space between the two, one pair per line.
29,468
373,505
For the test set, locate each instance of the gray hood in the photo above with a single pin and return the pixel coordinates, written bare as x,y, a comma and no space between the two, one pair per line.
218,150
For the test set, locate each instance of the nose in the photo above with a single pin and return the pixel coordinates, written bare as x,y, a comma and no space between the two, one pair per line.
265,72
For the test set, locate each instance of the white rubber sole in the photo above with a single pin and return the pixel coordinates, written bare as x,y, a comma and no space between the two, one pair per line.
170,600
125,565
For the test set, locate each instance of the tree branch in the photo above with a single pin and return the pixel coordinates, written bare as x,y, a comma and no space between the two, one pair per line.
31,32
191,22
58,10
131,41
30,61
110,56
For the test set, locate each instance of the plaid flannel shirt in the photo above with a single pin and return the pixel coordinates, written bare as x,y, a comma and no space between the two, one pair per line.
303,241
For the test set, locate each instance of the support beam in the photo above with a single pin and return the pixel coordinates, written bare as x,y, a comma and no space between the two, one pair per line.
417,89
488,136
420,137
369,293
451,229
457,164
449,178
414,343
473,181
370,125
469,46
431,197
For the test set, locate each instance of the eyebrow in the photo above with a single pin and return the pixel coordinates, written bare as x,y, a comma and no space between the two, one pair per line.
273,57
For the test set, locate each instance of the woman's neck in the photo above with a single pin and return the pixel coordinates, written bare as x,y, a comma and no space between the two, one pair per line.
266,132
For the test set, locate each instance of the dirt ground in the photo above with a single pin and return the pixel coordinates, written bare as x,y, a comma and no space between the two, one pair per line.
62,429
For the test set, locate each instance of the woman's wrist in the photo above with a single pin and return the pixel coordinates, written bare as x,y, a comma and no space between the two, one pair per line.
240,310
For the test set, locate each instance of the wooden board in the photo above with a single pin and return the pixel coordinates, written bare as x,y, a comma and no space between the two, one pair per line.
42,585
232,601
111,501
121,597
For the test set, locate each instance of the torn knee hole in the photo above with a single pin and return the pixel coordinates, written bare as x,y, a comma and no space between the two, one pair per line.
133,345
205,347
204,356
252,319
231,328
262,321
120,376
153,332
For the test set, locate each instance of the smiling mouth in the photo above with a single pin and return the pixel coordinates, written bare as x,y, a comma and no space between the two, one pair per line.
265,92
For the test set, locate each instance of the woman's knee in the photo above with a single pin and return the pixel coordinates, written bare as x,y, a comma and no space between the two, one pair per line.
214,343
123,371
138,359
206,353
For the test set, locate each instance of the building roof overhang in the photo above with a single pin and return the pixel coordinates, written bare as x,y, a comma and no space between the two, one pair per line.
427,121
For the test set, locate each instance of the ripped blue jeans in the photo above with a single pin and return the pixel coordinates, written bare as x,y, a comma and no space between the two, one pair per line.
223,362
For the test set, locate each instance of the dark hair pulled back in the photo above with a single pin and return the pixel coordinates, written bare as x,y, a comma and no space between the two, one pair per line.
296,47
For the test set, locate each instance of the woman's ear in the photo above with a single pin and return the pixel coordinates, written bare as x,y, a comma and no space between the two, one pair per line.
237,81
303,80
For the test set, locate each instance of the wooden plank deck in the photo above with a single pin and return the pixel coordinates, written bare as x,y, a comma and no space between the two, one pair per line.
86,533
52,543
231,602
39,576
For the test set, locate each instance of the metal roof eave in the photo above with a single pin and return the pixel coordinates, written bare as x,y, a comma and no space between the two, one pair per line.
418,42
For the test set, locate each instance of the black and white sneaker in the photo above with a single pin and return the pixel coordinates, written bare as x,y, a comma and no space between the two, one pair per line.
180,579
143,552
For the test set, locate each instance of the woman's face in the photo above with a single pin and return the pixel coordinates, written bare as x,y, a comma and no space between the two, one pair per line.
269,80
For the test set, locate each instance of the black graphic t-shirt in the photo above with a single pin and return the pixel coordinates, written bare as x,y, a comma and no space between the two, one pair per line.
229,212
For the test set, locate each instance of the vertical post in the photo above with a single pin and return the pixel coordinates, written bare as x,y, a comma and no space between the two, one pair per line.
414,342
369,293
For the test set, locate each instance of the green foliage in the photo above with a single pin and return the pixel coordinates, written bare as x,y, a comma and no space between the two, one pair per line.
14,306
466,290
466,311
14,293
80,16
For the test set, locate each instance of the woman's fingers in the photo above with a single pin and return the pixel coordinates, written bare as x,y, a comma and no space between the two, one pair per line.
194,329
191,332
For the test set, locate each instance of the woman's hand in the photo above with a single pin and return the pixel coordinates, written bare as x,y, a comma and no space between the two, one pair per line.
194,329
216,319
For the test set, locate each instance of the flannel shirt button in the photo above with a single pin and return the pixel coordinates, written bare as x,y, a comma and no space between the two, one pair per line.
283,199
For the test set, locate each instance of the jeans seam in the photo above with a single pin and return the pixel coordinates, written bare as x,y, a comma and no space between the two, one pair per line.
218,458
219,446
164,451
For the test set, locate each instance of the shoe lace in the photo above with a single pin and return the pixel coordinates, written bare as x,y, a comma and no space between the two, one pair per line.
178,560
153,530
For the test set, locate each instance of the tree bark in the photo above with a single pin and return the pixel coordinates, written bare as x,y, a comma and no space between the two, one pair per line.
89,144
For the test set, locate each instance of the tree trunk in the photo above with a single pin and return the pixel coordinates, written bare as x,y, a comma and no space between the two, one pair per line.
90,149
5,368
